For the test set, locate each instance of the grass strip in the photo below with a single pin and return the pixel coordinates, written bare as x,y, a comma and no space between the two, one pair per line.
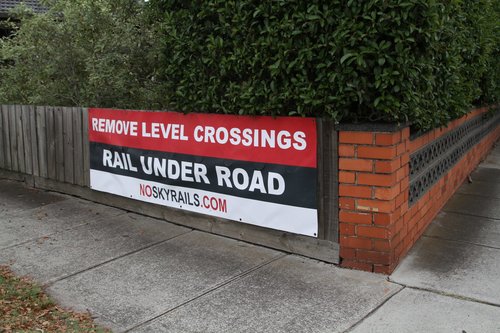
25,307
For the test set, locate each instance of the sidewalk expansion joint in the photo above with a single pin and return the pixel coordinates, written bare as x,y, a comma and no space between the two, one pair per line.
27,241
58,232
487,196
210,291
43,236
447,294
462,242
381,304
472,215
18,212
50,283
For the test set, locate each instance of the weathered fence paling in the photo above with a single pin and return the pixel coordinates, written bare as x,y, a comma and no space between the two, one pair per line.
41,143
2,145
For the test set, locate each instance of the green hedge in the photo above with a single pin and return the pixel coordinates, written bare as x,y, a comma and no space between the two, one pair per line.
421,61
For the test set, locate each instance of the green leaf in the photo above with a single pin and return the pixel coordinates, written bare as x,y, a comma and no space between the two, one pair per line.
346,56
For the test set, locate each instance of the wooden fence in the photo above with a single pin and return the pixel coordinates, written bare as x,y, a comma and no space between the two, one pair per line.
47,147
46,142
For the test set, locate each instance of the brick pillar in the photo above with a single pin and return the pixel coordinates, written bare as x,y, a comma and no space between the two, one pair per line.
373,197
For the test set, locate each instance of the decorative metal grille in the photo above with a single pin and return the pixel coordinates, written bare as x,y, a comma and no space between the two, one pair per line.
431,162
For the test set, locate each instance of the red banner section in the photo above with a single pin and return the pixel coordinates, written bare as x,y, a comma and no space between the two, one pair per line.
281,140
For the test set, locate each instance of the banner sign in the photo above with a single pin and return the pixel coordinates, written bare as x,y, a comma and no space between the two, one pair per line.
256,170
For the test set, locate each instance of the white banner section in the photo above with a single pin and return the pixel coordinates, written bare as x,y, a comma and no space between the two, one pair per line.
265,214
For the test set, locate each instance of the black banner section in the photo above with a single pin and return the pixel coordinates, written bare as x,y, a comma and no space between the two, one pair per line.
287,185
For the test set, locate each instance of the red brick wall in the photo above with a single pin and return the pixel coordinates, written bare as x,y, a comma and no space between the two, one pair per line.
377,227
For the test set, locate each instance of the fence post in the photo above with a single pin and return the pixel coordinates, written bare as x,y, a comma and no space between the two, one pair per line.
327,181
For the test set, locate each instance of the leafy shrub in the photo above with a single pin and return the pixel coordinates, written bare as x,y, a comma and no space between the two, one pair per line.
373,60
422,61
81,52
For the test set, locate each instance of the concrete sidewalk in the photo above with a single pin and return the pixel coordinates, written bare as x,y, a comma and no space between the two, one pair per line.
138,274
451,277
